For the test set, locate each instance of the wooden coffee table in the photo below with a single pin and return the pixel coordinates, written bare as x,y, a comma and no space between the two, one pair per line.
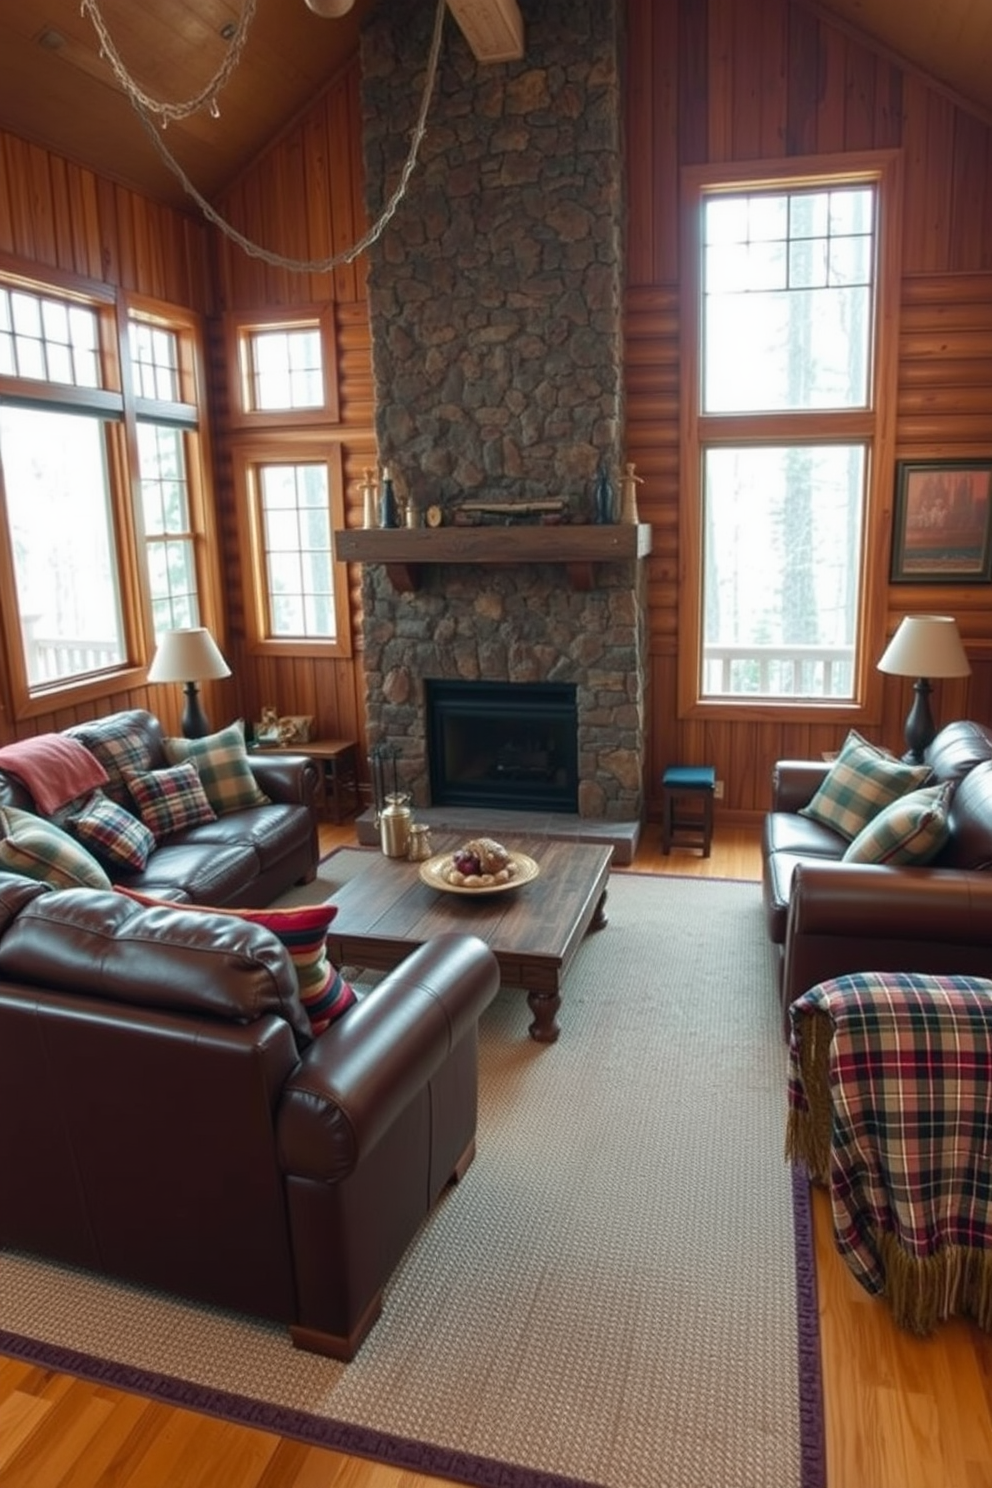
386,911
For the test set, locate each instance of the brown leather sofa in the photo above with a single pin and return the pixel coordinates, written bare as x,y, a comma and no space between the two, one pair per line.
830,918
166,1116
245,858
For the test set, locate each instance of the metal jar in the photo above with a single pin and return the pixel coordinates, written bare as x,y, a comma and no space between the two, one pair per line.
394,825
419,849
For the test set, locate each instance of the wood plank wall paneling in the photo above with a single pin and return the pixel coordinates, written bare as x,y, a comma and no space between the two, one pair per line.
57,215
304,201
771,79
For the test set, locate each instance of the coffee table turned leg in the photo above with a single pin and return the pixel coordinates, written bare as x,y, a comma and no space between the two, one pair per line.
544,1006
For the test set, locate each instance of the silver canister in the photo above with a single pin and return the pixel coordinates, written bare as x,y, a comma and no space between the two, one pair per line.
394,825
419,849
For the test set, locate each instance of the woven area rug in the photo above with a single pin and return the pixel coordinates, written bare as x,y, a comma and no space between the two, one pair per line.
620,1293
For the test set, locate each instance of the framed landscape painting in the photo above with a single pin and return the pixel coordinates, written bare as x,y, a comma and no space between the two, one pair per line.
943,522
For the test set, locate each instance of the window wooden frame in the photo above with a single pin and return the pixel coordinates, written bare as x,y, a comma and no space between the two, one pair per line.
874,426
115,403
287,449
238,326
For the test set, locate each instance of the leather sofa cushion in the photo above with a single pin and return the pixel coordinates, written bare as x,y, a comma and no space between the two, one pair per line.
104,945
958,748
184,871
969,843
271,831
787,831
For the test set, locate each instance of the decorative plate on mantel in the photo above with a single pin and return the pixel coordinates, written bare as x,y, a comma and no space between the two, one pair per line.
432,873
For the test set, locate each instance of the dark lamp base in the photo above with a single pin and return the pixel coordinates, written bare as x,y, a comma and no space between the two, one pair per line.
920,728
195,723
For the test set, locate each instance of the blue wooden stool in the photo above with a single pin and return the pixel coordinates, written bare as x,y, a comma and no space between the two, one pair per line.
681,784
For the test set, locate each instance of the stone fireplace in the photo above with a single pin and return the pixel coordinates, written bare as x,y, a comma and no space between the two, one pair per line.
495,301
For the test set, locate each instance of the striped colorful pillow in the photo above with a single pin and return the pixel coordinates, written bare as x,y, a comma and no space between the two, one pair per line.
324,992
221,761
911,829
169,800
861,780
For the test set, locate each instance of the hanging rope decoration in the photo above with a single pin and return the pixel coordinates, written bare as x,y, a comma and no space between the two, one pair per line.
145,106
207,96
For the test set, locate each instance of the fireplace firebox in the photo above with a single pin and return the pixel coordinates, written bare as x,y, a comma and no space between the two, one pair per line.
503,744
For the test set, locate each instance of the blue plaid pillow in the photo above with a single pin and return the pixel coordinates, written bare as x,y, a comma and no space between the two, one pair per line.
119,746
861,780
112,833
169,800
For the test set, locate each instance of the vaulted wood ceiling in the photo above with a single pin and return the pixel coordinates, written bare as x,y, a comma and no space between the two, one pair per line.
56,90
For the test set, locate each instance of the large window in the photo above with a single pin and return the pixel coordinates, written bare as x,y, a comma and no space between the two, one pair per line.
783,434
101,539
289,483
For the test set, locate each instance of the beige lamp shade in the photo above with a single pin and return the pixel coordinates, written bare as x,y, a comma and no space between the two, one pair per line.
330,8
926,646
188,656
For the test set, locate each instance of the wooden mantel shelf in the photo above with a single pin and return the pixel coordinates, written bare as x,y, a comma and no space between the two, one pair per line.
406,550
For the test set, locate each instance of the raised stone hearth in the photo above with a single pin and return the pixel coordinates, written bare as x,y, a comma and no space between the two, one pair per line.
495,301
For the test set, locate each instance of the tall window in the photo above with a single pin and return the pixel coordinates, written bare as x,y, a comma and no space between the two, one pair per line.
164,423
81,595
783,435
296,541
289,482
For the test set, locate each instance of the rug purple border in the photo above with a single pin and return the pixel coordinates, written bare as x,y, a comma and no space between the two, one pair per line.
440,1462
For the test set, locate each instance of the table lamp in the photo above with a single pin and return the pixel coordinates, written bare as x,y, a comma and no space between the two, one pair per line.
189,656
924,646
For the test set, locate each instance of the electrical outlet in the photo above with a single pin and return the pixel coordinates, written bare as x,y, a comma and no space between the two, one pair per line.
718,790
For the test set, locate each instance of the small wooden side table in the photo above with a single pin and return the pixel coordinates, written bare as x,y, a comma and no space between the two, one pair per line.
338,759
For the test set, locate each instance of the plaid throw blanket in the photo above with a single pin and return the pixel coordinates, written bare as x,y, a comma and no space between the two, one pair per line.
890,1106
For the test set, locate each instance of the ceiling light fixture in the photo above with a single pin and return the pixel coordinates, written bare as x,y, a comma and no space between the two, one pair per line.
494,29
332,9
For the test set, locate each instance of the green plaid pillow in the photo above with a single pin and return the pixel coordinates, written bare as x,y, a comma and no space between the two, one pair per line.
112,833
169,800
911,829
861,780
40,850
221,761
119,746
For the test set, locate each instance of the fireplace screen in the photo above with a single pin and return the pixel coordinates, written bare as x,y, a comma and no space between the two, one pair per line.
504,744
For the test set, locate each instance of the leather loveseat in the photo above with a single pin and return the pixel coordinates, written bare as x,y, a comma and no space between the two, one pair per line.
166,1116
829,918
244,857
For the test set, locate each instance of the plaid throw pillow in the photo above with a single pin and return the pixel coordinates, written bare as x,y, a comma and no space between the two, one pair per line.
221,761
119,747
303,931
861,780
911,829
169,800
40,850
112,833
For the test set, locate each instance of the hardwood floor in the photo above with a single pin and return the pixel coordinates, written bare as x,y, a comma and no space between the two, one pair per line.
901,1412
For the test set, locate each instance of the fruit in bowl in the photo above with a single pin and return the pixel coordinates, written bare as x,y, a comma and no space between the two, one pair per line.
480,864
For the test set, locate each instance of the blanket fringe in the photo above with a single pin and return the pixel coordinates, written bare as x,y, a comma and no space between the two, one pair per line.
924,1290
807,1131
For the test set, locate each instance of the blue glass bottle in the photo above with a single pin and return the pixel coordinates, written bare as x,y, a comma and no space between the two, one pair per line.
388,511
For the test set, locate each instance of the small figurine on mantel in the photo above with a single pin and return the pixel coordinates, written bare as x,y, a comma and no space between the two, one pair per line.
370,499
628,494
604,509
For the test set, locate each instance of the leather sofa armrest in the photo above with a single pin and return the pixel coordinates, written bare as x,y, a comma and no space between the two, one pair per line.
795,782
852,917
362,1072
287,778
